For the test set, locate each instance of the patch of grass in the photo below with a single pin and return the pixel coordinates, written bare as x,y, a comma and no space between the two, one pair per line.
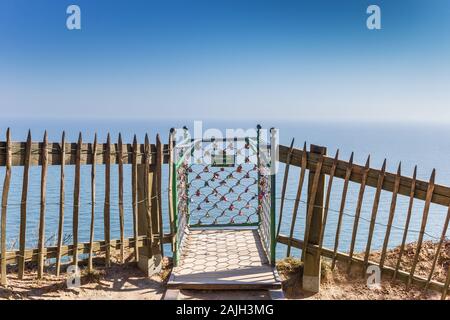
93,276
293,266
167,265
289,265
325,270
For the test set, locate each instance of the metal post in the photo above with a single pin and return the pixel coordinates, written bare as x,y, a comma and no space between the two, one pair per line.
273,166
258,165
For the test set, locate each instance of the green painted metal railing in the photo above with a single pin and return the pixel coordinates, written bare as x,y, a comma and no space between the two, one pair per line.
223,183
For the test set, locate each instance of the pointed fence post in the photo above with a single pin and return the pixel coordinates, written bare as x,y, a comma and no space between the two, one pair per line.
311,271
150,257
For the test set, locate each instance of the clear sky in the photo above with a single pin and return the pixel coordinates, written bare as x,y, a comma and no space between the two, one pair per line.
230,59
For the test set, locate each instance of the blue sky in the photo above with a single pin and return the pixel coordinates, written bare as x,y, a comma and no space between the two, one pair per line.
216,59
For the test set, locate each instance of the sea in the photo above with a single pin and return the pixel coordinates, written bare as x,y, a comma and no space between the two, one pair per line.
426,145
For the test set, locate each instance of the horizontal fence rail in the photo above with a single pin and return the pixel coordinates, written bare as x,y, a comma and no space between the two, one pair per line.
96,247
18,153
441,194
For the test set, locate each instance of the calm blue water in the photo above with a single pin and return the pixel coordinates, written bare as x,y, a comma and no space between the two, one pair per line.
428,146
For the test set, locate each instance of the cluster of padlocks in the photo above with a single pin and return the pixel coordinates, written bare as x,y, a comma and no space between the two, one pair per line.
219,182
223,195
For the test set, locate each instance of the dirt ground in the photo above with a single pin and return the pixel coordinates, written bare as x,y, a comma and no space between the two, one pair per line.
338,284
119,282
127,282
425,261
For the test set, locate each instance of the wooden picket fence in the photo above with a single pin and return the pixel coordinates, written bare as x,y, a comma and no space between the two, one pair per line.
318,205
146,162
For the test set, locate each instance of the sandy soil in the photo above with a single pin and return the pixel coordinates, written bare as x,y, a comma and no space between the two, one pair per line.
119,282
126,281
337,284
425,262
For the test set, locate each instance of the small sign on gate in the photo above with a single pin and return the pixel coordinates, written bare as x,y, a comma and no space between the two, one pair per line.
223,160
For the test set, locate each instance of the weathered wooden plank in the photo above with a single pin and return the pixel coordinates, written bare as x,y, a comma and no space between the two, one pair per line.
312,262
76,200
54,153
348,174
5,192
311,204
61,205
298,197
441,194
158,174
391,215
256,285
134,196
373,217
147,193
93,191
426,209
408,219
358,211
284,186
106,208
41,241
23,208
121,213
327,203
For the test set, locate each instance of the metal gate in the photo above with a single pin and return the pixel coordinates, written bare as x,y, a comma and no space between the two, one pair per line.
224,183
